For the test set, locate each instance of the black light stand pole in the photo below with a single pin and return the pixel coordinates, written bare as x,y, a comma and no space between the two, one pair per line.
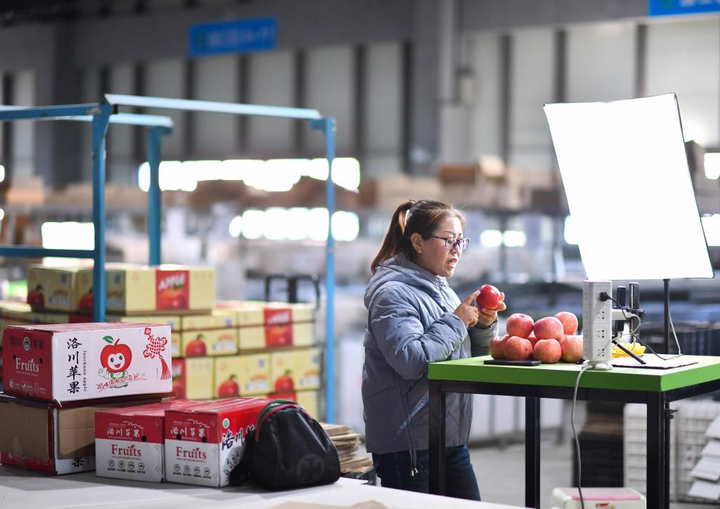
666,287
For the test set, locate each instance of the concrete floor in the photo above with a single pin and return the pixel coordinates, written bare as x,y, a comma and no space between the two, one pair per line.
501,474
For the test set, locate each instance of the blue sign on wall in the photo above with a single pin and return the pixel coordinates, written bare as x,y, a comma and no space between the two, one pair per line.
238,36
674,7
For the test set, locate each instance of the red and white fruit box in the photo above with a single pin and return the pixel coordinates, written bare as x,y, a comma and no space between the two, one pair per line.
204,443
129,442
80,361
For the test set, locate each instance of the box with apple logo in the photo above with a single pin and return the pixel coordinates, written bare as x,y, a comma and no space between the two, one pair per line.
130,441
242,375
81,361
53,288
193,378
293,370
172,320
136,289
204,443
53,437
211,334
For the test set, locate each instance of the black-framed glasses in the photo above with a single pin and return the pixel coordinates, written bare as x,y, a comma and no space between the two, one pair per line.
451,242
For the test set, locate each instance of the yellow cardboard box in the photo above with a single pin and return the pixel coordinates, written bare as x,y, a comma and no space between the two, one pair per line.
213,334
242,375
53,288
296,369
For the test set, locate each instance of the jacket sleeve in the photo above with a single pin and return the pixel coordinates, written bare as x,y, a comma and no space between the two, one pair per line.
402,339
480,338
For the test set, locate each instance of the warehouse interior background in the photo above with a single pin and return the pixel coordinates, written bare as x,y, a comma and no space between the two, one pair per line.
433,99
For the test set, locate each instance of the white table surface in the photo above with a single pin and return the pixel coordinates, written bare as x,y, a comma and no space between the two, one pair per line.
23,489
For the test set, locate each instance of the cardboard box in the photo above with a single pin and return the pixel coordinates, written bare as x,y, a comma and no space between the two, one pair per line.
293,370
242,375
204,443
50,437
136,289
212,334
194,378
53,288
130,441
309,400
71,362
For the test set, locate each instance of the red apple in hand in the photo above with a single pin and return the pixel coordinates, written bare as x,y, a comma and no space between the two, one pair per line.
519,324
497,347
518,349
549,328
569,321
489,297
547,350
572,348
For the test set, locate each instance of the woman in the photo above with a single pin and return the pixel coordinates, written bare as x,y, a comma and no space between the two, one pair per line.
415,318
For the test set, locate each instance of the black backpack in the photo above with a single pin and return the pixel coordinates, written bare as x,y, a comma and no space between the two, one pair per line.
288,449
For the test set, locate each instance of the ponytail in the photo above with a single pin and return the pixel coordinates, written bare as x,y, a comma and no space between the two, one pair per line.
422,217
394,237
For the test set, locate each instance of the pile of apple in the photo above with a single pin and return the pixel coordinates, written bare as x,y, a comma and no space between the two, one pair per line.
548,340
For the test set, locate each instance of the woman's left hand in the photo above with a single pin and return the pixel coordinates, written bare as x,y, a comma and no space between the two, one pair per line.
488,316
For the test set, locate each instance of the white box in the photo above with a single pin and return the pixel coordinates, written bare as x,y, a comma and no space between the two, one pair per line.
618,498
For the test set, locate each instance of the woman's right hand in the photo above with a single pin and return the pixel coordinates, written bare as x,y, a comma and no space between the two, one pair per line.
468,313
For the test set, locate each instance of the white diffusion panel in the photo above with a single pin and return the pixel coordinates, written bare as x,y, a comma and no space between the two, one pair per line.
628,186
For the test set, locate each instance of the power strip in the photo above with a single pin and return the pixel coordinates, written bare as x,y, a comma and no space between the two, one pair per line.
597,324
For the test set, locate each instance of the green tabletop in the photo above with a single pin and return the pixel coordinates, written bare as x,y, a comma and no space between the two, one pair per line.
561,374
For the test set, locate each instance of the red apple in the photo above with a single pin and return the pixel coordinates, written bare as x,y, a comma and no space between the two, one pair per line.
572,348
196,347
569,321
518,349
547,350
285,383
519,324
489,297
497,347
229,388
549,328
532,339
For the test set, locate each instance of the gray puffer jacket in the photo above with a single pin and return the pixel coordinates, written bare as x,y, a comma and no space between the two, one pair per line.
410,324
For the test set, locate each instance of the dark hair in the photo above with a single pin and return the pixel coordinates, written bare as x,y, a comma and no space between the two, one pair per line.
410,217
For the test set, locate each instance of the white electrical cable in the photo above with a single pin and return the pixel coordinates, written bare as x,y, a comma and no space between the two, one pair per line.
575,435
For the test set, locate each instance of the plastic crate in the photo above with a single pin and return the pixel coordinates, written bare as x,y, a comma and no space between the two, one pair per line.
693,419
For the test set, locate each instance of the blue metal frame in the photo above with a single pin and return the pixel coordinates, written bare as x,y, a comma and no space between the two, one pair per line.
101,115
317,121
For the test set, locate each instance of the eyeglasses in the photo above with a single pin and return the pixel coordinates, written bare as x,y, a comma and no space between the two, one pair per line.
451,243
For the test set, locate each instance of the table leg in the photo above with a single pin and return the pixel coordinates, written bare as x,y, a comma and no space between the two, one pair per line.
437,438
532,452
657,466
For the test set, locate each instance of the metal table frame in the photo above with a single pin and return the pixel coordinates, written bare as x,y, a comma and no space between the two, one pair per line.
658,428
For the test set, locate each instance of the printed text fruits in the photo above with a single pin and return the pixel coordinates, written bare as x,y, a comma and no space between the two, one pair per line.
86,301
547,350
229,388
489,297
569,321
284,383
572,348
519,324
549,328
196,347
35,298
518,349
115,357
497,347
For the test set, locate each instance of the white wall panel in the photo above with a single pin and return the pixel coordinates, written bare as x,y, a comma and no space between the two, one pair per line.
330,88
271,81
166,78
600,62
485,136
120,145
23,138
215,135
90,85
531,78
683,57
383,122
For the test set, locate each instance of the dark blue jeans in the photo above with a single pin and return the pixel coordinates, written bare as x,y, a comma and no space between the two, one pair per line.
394,471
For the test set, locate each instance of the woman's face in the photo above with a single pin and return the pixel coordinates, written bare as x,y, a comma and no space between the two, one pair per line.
431,253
